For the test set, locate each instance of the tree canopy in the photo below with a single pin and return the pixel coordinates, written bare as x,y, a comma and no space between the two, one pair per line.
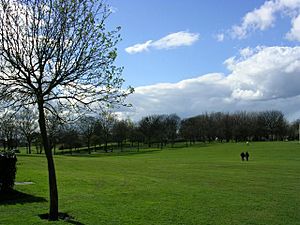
56,54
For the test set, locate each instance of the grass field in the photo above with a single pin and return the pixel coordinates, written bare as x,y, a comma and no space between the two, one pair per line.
195,185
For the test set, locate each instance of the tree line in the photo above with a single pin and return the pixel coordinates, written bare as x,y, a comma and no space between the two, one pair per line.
239,126
104,130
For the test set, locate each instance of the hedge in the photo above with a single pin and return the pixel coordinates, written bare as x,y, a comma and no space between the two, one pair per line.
8,170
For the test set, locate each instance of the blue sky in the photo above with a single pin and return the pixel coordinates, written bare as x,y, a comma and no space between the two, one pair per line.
172,44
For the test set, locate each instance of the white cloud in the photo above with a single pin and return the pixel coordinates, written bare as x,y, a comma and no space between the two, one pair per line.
173,40
272,72
246,94
138,47
247,52
290,4
268,78
220,37
176,40
294,34
264,17
261,18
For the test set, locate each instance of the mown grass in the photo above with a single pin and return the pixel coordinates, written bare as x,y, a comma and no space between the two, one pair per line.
195,185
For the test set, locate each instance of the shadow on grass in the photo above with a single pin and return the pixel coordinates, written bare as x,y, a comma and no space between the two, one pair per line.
62,216
137,152
119,153
16,197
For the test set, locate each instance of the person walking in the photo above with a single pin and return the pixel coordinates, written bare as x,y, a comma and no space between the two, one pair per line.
243,156
247,156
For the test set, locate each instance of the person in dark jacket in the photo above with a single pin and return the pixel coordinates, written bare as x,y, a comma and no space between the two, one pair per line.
243,156
247,156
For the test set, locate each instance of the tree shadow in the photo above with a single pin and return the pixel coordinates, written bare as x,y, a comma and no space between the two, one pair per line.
16,197
116,153
62,216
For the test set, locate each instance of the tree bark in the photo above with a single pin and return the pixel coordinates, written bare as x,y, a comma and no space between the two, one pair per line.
29,146
89,149
53,212
106,146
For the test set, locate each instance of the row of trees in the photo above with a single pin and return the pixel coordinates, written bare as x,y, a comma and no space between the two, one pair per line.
159,130
22,129
239,126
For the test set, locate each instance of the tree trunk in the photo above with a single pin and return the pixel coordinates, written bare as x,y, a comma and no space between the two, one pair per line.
106,146
53,212
88,142
29,146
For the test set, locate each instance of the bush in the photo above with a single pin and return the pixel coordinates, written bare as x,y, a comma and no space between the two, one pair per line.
8,170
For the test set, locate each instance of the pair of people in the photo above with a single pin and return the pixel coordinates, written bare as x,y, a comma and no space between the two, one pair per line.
245,156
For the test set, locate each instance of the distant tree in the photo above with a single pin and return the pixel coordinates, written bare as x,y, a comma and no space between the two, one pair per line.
135,135
28,125
280,128
227,126
87,128
106,120
120,132
70,137
153,128
54,125
55,52
216,126
242,126
97,138
293,130
273,125
172,127
38,144
8,126
188,129
146,129
160,129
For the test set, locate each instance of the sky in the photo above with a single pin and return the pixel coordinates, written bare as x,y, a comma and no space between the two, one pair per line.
191,57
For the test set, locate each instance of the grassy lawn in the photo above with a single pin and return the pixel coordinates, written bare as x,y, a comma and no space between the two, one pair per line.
194,185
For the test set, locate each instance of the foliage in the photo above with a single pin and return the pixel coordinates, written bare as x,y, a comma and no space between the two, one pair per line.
58,53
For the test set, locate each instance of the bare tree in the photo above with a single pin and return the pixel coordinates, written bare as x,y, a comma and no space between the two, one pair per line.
106,121
173,125
154,129
57,53
27,123
70,137
53,124
120,132
86,128
135,134
9,133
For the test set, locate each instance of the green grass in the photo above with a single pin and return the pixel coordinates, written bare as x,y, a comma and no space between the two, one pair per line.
195,185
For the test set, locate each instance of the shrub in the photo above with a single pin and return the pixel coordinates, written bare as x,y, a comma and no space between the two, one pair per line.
8,170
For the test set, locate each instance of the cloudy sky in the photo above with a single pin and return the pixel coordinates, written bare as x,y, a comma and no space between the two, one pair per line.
190,57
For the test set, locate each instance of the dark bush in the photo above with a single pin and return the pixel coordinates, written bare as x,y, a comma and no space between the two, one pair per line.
8,170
